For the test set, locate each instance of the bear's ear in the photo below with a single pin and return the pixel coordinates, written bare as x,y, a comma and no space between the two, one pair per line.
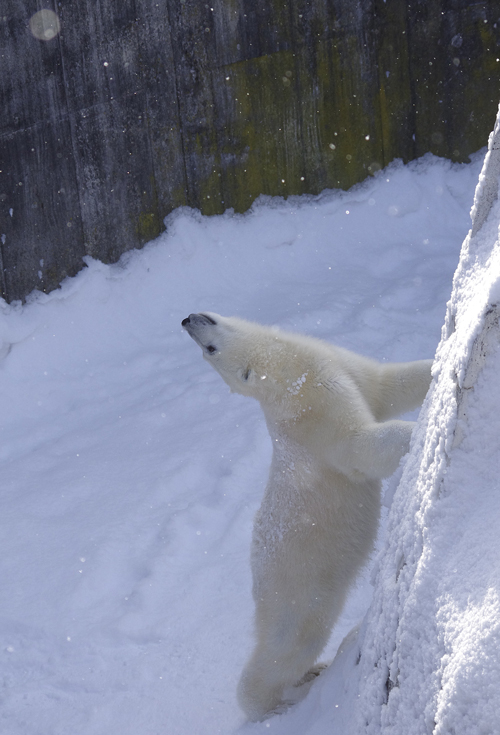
244,374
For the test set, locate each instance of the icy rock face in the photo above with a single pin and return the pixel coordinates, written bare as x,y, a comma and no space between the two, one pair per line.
427,663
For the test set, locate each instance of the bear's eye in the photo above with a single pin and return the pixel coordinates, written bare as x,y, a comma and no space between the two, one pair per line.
246,374
211,349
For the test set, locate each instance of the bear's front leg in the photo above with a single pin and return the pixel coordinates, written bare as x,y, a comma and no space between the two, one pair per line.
375,450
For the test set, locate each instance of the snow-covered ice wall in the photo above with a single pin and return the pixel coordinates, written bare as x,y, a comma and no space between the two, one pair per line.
429,645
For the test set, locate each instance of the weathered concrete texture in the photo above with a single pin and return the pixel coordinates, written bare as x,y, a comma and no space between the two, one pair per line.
137,107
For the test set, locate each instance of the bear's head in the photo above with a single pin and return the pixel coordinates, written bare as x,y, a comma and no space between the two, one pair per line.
254,360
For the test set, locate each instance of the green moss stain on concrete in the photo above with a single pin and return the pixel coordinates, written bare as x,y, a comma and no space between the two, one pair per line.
394,110
329,108
345,115
258,147
148,226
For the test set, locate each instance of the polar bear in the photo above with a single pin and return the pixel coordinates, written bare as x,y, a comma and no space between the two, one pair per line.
329,413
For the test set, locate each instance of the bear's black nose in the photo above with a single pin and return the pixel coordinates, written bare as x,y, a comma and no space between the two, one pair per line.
197,319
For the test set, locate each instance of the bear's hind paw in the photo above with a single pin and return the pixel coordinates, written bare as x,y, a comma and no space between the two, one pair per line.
280,708
311,674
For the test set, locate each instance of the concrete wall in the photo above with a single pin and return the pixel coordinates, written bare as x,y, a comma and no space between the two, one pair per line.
113,113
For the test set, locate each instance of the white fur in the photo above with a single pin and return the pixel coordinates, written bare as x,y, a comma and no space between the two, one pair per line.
329,413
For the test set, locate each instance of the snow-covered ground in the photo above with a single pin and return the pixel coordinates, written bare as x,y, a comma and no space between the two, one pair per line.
130,475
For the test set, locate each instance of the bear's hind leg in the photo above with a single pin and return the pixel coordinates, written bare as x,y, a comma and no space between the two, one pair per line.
282,658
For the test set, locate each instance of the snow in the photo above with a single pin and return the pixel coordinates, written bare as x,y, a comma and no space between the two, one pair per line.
131,476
